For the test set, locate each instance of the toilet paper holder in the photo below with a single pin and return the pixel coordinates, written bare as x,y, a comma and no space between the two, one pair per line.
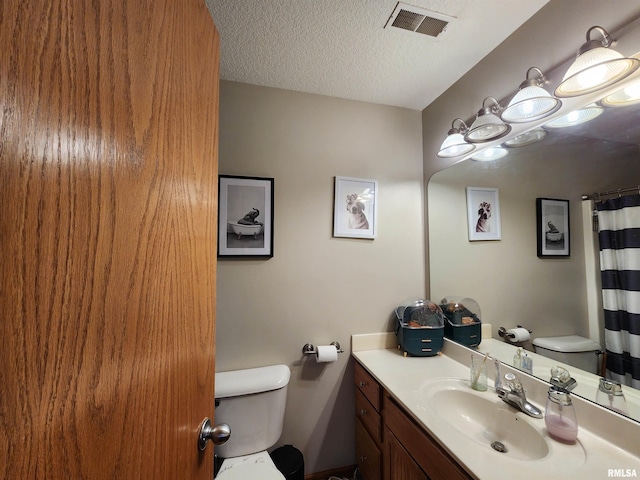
309,349
504,334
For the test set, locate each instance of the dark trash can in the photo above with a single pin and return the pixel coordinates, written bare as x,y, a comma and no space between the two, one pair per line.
290,461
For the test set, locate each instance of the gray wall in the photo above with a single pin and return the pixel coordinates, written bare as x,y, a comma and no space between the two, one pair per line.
318,288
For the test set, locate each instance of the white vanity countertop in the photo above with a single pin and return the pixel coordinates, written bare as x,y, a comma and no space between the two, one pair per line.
607,443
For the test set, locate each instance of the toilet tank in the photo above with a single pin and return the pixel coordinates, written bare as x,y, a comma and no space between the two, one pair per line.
252,402
572,350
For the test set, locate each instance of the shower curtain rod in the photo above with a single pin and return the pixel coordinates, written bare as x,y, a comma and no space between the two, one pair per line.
620,191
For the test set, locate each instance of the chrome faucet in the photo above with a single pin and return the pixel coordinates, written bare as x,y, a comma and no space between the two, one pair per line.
512,392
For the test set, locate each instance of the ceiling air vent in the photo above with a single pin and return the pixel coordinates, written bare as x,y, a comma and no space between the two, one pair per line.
414,19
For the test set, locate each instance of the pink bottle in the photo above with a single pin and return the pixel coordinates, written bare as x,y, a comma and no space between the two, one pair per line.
560,416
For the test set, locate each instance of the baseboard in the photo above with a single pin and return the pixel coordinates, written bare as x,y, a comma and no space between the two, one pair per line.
342,472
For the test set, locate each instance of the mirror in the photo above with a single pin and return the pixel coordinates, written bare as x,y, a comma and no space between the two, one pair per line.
549,296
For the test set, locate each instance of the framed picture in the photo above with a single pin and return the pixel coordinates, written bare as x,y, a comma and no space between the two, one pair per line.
552,217
355,210
483,214
245,216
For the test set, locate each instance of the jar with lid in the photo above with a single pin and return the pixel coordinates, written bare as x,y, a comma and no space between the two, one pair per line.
560,416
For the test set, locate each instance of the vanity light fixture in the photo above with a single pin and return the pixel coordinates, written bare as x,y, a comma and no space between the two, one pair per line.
487,125
629,95
582,115
596,66
454,145
491,153
527,138
532,102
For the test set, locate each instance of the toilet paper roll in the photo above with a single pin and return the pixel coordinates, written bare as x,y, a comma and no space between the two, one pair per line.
326,354
518,335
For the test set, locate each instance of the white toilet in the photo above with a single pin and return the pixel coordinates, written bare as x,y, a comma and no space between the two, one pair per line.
252,403
573,350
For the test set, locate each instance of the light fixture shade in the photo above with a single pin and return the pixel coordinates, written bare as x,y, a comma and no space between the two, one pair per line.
454,145
527,138
596,67
577,117
532,102
487,125
629,95
491,153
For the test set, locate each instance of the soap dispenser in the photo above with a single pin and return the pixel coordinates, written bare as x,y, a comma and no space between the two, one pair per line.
560,416
517,358
610,395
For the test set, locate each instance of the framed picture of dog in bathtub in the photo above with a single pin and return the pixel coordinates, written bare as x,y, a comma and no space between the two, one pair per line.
483,214
355,213
552,215
245,216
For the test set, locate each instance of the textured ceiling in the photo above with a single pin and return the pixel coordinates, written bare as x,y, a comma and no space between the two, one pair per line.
340,48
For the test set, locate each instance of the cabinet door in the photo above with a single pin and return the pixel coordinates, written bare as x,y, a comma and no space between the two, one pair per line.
430,456
400,464
369,417
367,454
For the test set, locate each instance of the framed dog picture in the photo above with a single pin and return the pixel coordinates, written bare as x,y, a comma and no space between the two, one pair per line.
355,212
483,214
552,216
245,216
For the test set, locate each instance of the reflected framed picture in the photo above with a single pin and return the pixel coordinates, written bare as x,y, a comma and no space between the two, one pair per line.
355,208
245,216
483,214
552,216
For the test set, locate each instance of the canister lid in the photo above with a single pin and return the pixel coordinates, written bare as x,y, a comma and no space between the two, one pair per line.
567,344
423,313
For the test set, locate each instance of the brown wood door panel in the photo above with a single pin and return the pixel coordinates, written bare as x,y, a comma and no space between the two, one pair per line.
426,452
108,194
401,465
369,417
368,455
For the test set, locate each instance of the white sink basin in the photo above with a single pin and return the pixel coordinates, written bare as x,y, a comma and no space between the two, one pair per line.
487,420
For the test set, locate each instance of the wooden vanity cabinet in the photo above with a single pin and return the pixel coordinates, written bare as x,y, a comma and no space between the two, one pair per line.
368,424
390,445
418,445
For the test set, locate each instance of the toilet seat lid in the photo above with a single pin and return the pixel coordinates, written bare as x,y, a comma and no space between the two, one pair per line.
258,466
567,344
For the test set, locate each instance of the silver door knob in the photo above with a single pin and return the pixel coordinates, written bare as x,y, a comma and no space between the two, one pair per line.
218,434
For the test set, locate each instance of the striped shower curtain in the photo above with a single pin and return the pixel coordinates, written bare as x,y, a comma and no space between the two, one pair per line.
619,234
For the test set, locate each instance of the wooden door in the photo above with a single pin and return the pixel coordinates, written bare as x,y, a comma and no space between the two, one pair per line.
108,207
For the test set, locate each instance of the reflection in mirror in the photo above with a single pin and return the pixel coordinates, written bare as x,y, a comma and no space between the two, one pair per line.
580,382
549,296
